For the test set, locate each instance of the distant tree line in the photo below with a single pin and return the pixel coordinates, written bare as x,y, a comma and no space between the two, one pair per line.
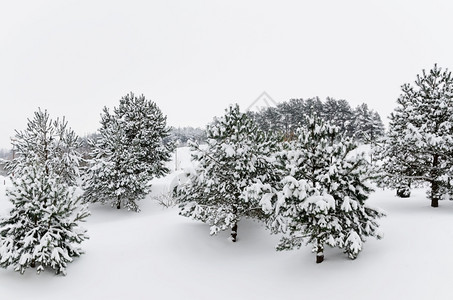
5,155
182,135
362,122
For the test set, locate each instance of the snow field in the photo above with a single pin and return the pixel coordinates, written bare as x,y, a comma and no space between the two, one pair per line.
157,254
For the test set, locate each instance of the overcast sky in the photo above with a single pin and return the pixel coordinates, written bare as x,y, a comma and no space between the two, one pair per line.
194,58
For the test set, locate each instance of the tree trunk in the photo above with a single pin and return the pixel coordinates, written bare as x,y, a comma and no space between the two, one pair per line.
435,194
434,202
320,254
118,203
234,232
234,229
435,187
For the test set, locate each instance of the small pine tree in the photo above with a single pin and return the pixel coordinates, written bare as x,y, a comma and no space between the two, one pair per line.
236,155
322,198
367,124
43,228
338,113
128,153
420,138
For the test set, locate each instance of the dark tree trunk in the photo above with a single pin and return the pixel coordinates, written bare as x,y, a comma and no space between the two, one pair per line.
234,232
118,203
320,254
234,229
435,187
435,194
434,202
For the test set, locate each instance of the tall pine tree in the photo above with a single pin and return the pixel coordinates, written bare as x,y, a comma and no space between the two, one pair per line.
420,138
129,152
321,200
236,155
43,227
49,143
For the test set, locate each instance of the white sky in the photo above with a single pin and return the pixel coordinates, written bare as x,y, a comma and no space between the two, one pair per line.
194,58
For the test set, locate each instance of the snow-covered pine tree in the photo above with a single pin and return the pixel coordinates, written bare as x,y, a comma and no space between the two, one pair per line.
367,124
397,167
295,111
419,147
377,128
49,143
322,198
338,113
128,153
43,227
269,119
236,155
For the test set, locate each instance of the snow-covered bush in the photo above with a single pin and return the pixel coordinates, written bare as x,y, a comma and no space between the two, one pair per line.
237,154
322,198
419,146
128,153
43,228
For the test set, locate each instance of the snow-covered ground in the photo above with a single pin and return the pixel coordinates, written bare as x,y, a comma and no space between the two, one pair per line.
157,254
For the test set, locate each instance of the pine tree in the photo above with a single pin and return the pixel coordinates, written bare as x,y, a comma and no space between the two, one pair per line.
128,153
289,115
236,155
322,198
43,228
420,139
367,124
377,127
49,143
269,119
338,113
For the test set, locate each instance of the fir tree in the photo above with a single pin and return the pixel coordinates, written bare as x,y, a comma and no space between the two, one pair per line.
420,139
322,198
236,155
43,228
128,153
